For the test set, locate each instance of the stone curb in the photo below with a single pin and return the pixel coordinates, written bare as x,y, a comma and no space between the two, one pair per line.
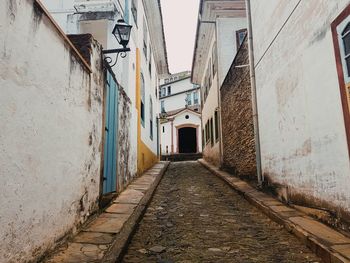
125,235
105,238
331,246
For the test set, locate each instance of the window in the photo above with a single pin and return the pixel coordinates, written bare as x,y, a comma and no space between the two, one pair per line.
209,73
134,10
162,106
151,118
203,140
346,47
142,100
150,62
169,90
216,123
195,98
341,39
145,38
163,129
189,99
211,132
205,89
215,59
163,92
156,92
206,133
240,35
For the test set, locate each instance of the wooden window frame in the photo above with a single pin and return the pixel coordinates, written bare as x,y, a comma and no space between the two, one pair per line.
214,55
142,100
216,124
339,65
151,118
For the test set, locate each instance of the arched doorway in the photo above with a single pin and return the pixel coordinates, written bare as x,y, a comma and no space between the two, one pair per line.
187,140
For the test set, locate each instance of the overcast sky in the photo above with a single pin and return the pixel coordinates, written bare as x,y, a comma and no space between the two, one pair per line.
180,23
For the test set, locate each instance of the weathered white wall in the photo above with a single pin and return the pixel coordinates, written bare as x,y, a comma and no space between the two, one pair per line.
151,82
303,139
60,9
227,43
50,140
125,69
226,51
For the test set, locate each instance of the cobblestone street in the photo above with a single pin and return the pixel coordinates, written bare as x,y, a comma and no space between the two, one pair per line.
196,217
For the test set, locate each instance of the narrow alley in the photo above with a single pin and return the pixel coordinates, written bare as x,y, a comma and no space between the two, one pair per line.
132,134
196,217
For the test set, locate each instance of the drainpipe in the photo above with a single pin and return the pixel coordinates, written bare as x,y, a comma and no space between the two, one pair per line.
254,95
158,137
221,147
172,136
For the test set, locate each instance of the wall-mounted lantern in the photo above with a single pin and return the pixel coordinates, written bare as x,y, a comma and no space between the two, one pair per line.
121,32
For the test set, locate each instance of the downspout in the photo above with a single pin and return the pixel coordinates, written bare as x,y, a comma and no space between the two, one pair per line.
172,136
254,95
158,137
221,148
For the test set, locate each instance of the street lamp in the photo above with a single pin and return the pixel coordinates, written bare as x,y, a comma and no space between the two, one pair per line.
121,32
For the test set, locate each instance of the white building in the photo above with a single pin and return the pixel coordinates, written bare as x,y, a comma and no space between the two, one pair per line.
139,72
180,122
220,30
302,77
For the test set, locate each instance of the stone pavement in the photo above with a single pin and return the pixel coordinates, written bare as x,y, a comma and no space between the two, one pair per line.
196,217
104,238
330,245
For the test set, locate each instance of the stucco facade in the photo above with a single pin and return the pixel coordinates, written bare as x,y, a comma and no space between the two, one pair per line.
179,108
51,109
138,73
216,45
303,137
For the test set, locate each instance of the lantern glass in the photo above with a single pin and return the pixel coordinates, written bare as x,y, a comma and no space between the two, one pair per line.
122,32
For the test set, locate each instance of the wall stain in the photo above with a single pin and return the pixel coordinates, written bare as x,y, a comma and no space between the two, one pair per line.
12,7
37,16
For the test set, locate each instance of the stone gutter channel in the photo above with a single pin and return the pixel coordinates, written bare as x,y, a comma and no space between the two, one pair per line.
105,238
331,246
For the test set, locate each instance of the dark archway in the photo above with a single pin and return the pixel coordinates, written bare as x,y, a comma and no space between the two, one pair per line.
187,140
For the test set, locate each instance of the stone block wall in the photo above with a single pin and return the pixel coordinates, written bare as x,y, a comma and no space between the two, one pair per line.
237,118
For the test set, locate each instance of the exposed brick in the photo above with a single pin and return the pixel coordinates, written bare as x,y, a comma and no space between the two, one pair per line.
237,118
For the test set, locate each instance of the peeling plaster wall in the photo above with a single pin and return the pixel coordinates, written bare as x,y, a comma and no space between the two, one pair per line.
51,128
303,139
125,168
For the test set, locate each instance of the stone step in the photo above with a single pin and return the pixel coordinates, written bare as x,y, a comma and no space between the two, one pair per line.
182,157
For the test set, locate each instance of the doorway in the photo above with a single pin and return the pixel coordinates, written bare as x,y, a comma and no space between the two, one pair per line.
111,128
187,140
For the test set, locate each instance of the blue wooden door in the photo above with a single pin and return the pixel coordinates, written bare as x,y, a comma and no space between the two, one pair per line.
110,148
